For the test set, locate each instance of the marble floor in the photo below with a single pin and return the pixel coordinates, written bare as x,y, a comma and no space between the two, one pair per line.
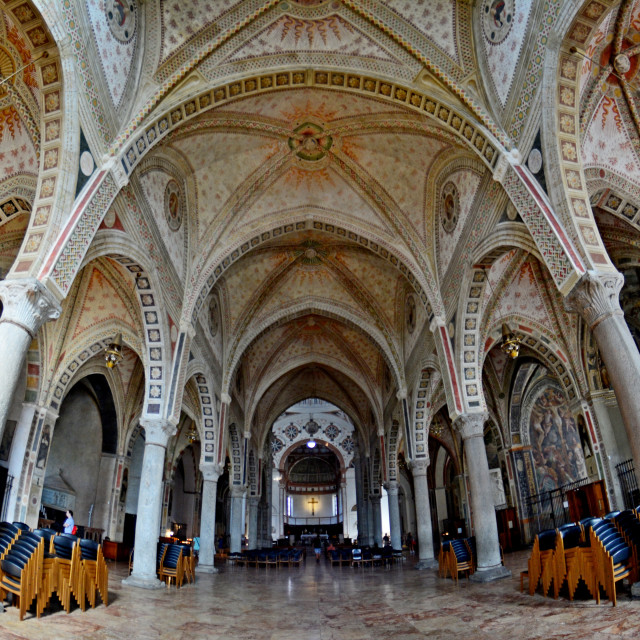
318,602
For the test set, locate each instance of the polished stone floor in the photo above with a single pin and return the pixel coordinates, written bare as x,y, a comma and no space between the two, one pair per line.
317,602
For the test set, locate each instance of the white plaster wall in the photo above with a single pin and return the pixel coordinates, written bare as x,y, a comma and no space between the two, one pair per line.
302,508
76,448
104,491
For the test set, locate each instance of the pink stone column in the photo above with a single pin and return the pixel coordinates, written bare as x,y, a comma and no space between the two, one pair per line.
596,298
471,428
157,434
27,305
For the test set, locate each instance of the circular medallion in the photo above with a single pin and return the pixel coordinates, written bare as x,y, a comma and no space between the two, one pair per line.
450,207
109,219
214,316
87,164
121,18
173,204
535,161
410,313
497,19
512,212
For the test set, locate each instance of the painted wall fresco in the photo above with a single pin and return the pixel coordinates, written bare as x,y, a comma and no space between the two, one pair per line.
555,441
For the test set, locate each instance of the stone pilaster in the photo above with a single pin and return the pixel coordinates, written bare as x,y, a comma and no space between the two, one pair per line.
210,475
426,557
252,533
596,299
394,514
471,428
27,305
157,434
237,505
376,513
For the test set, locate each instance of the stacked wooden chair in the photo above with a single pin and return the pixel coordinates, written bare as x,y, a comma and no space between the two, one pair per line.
598,552
21,570
94,574
171,565
189,563
541,560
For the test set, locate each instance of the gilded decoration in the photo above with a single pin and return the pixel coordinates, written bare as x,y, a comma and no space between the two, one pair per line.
309,142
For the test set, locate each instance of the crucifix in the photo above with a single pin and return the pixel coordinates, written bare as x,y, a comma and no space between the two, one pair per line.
313,502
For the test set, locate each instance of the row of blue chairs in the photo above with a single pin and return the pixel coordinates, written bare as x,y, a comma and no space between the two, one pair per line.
365,556
266,557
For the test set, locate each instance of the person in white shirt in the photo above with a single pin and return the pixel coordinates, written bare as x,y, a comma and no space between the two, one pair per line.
69,523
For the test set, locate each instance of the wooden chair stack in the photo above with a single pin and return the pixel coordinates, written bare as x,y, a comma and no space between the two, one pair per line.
455,557
34,565
21,570
171,565
541,560
598,551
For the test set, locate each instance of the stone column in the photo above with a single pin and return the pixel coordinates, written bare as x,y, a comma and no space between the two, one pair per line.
376,515
27,305
394,515
342,507
237,496
210,475
253,522
471,427
596,298
157,434
370,534
282,506
426,557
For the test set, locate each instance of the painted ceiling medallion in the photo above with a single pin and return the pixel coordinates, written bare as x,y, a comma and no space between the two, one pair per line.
450,208
173,205
310,253
497,19
122,17
214,316
309,142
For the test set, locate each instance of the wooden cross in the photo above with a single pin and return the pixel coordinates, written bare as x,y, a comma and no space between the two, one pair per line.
313,502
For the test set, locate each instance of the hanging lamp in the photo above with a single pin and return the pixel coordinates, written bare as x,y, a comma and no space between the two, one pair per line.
113,353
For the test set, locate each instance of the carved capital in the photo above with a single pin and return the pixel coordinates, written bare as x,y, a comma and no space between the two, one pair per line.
500,171
392,487
226,398
471,425
596,297
158,431
211,472
237,491
28,304
419,467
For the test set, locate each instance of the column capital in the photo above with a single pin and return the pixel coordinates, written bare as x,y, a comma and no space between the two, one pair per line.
596,297
28,304
392,487
211,472
419,467
157,431
471,425
225,398
375,498
254,501
237,491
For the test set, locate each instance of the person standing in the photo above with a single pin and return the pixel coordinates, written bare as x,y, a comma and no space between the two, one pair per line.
69,524
317,547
